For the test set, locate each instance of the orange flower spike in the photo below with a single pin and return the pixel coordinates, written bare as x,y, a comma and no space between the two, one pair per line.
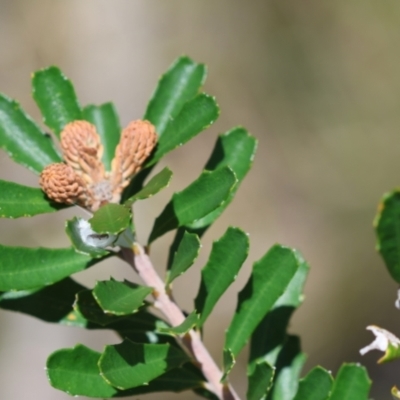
137,142
82,179
82,150
62,185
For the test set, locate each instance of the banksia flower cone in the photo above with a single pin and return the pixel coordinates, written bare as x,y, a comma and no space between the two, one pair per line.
82,179
137,142
63,185
82,150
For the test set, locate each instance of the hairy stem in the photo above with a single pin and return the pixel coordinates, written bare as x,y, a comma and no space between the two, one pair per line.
191,342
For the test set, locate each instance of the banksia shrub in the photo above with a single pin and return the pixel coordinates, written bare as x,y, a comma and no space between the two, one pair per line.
107,170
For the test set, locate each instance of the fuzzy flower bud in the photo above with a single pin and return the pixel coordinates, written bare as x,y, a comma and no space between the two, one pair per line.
62,185
137,141
82,179
82,150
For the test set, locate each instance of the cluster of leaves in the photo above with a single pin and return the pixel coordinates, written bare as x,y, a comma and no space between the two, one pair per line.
36,281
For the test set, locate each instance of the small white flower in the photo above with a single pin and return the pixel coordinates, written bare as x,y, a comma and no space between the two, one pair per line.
397,302
92,238
383,339
395,392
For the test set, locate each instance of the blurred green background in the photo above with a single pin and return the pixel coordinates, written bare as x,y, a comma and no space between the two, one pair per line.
316,82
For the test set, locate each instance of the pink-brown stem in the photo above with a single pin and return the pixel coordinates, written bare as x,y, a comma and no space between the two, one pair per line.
191,342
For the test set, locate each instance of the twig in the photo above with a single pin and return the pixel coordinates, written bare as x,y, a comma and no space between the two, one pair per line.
191,342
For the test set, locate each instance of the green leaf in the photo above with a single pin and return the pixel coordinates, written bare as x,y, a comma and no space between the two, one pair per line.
293,295
196,115
22,139
75,372
236,149
316,385
288,367
24,268
106,120
62,376
155,184
55,96
73,231
186,254
51,304
86,305
85,380
179,84
201,197
23,201
120,298
136,183
227,256
189,323
175,380
229,362
207,394
270,277
111,218
387,225
129,364
351,383
139,327
260,381
270,334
